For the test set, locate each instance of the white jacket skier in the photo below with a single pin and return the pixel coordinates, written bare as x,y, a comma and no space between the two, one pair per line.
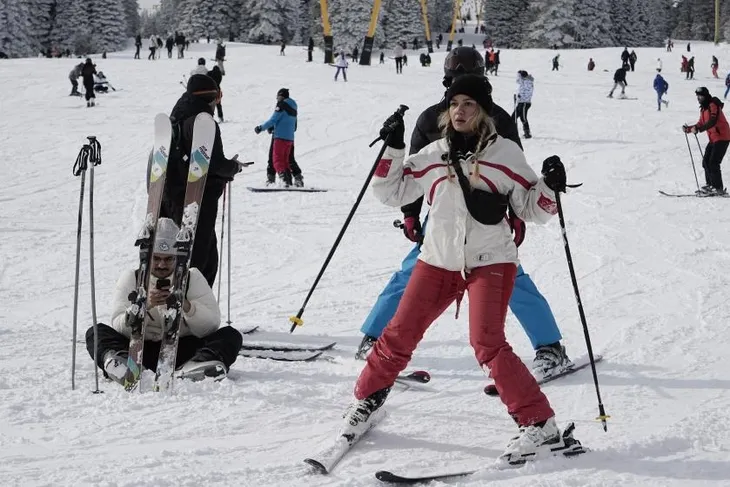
525,87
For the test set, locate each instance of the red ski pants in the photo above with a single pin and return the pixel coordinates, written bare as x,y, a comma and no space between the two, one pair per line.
280,154
429,292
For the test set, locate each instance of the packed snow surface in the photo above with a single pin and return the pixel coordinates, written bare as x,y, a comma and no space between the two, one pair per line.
653,275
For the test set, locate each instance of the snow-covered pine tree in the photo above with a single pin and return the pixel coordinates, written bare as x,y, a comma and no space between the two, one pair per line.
703,21
268,22
108,23
42,13
221,17
131,14
165,19
71,29
683,30
505,22
622,22
439,16
15,29
662,16
555,25
350,22
402,22
594,23
290,14
191,19
641,28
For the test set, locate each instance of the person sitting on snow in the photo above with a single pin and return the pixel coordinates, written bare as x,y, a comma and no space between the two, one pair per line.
205,349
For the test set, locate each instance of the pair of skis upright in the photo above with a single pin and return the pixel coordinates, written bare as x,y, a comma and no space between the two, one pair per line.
199,162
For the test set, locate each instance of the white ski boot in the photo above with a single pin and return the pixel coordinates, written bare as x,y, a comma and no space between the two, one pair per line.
195,371
550,360
539,441
115,366
358,416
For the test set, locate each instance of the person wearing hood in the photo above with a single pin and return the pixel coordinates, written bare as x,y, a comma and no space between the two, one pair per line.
73,75
470,176
205,349
525,87
591,64
217,76
202,95
660,86
712,120
619,80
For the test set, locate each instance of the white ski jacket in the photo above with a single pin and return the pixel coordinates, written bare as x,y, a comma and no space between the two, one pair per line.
525,88
203,318
454,240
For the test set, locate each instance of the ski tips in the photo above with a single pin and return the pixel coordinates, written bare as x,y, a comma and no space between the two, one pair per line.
316,466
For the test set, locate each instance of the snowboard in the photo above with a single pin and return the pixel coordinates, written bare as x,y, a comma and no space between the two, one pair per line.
579,364
291,189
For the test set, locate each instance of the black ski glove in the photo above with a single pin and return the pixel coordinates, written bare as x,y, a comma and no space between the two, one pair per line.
394,127
257,129
553,173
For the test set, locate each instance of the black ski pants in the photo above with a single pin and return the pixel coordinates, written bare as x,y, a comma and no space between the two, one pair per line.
521,113
399,64
296,171
89,87
224,343
714,153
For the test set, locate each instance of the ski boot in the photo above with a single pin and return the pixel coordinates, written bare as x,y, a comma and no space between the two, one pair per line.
270,179
299,181
359,414
115,366
550,360
285,179
204,364
365,345
540,440
705,190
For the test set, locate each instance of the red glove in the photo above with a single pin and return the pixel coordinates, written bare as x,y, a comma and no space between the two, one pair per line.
412,228
518,228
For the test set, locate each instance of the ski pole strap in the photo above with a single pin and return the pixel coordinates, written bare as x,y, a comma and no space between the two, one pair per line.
82,160
95,150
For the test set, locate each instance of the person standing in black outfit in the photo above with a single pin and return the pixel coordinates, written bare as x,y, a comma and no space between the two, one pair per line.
310,50
88,72
202,95
217,76
138,45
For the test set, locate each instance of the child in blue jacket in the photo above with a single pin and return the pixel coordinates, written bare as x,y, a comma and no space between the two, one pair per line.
660,86
284,123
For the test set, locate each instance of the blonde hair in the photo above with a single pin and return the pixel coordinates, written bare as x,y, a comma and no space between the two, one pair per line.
481,124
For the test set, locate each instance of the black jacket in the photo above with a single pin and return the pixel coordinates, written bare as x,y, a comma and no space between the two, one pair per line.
88,72
619,76
427,131
220,52
216,74
221,169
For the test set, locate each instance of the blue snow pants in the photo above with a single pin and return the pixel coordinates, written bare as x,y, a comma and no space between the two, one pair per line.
528,305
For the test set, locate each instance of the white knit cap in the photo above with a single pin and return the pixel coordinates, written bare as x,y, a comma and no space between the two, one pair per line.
165,237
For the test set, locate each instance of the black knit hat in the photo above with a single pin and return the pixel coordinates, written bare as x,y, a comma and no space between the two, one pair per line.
475,87
283,92
202,85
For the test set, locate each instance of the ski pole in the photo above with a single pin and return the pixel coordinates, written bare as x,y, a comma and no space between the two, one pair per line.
230,199
95,159
297,320
602,416
220,254
79,169
699,146
692,160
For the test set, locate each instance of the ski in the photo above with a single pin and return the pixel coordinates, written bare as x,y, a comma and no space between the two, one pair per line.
248,330
291,189
581,363
295,356
202,146
568,447
289,348
420,376
326,459
694,195
145,240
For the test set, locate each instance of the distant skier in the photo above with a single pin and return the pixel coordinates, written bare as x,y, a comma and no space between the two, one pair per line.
153,48
169,45
398,54
439,40
310,50
556,63
73,75
591,64
137,45
201,95
525,88
283,47
425,59
88,72
619,79
625,58
670,45
691,68
632,59
660,86
683,67
355,54
205,349
101,84
284,123
341,65
382,57
727,85
659,64
220,56
712,120
715,64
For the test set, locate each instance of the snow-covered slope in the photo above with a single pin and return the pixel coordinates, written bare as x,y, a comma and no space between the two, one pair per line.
652,272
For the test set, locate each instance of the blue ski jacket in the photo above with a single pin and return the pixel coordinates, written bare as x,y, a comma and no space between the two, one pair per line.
284,120
660,84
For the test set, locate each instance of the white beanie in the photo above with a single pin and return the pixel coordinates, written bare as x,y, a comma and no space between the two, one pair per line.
165,237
